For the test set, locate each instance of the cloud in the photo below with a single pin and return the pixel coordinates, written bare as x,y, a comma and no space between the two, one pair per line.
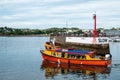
51,13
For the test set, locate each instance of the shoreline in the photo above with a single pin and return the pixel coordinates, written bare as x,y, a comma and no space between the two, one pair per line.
38,35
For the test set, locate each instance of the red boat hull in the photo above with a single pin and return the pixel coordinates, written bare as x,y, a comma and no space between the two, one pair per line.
75,61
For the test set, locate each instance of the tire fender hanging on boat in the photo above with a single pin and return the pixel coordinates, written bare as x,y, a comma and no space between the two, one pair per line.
80,62
58,61
68,63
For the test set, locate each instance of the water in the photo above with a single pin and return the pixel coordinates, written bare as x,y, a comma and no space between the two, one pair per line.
20,59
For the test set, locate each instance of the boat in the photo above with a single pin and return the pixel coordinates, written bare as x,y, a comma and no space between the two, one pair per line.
71,56
115,39
51,69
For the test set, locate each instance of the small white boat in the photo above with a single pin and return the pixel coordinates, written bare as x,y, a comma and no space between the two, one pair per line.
115,39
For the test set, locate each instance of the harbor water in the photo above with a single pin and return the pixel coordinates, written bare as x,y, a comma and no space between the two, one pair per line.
20,59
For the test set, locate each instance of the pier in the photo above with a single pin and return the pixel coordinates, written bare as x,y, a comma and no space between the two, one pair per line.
100,48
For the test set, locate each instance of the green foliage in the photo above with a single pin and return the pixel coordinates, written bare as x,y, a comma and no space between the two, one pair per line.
79,32
14,31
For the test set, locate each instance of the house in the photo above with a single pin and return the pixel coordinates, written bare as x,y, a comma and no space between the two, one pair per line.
112,32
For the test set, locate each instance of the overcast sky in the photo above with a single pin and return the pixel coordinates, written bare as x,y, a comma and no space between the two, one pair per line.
44,14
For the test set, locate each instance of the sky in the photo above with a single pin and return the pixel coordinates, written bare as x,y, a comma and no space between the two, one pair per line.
42,14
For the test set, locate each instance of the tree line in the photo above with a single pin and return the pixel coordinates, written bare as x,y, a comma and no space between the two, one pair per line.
15,31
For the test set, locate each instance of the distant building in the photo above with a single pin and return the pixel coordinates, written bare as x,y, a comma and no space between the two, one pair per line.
69,31
112,32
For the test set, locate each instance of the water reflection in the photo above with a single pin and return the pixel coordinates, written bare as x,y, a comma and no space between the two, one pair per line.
85,72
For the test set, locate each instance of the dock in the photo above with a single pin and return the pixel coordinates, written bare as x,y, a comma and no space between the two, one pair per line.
101,48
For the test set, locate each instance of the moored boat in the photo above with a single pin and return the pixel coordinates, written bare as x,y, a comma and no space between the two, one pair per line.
114,39
71,56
